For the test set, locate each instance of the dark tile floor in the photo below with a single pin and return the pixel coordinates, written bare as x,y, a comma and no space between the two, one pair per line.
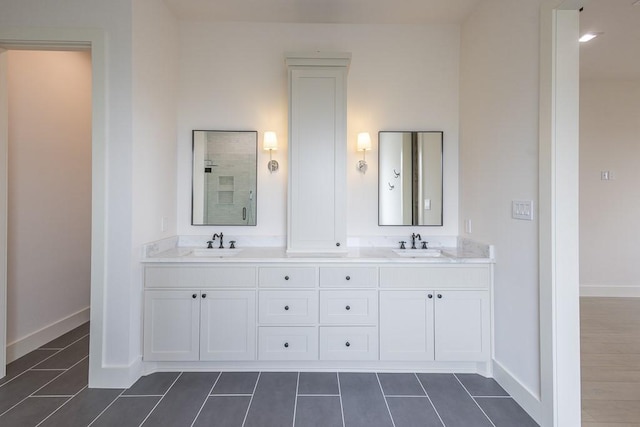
48,387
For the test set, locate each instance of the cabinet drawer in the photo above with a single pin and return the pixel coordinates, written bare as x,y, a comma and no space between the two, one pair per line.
357,277
287,277
288,307
348,343
349,307
199,277
287,343
440,277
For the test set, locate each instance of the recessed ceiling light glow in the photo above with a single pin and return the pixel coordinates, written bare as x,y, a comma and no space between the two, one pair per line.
588,37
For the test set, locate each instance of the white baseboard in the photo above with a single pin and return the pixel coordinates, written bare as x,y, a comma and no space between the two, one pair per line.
610,291
25,345
115,376
520,393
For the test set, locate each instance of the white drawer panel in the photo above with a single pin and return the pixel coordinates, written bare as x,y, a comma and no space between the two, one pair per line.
199,277
357,277
440,277
349,307
287,277
287,343
288,307
348,343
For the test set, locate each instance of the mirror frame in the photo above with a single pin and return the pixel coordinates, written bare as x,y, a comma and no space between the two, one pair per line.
255,197
441,224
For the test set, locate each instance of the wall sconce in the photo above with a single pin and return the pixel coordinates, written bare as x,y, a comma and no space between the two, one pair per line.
364,145
270,142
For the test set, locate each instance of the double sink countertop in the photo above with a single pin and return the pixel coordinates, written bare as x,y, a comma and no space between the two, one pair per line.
171,251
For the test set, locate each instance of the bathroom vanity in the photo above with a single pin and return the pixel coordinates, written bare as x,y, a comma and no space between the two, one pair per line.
375,308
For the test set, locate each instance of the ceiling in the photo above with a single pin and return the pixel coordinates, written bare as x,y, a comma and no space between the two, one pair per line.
616,53
325,11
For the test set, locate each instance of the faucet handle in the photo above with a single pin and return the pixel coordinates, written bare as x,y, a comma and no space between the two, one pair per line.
424,245
232,243
402,244
210,244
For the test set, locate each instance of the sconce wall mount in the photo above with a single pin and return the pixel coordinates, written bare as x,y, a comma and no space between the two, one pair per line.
364,145
270,143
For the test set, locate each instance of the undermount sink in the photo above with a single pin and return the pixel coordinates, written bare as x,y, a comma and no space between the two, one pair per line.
419,253
216,252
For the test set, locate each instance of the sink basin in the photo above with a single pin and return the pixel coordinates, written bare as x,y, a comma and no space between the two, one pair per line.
419,253
215,252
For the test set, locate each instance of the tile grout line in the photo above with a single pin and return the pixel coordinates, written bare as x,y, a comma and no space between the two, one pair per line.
430,401
230,395
31,368
385,400
340,395
59,407
206,398
318,395
474,400
255,386
59,351
105,409
295,403
44,385
160,400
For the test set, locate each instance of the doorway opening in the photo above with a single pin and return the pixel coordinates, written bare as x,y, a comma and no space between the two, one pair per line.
49,195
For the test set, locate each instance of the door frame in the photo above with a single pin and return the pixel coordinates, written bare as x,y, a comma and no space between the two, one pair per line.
558,214
65,39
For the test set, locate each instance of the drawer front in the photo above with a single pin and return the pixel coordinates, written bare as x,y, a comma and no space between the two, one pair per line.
287,343
288,307
349,307
348,343
357,277
440,277
199,277
287,277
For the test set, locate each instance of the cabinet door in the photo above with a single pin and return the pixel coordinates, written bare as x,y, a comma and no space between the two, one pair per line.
228,326
462,326
171,325
406,325
317,190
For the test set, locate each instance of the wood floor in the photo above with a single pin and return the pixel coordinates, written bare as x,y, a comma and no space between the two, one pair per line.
610,348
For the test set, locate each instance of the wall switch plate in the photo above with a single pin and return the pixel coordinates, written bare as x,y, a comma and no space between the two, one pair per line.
605,175
522,209
467,226
163,224
427,204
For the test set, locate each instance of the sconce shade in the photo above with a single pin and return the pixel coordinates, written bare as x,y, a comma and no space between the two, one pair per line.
364,141
270,141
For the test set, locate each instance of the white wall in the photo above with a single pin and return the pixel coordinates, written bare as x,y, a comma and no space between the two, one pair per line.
49,213
155,70
233,77
499,163
114,19
609,210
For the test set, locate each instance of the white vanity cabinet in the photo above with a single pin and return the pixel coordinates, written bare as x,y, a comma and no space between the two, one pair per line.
316,220
214,321
447,319
300,314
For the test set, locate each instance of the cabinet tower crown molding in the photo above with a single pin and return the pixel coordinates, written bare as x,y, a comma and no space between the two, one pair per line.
318,59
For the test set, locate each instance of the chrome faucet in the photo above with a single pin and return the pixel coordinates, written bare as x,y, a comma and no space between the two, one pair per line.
413,240
221,242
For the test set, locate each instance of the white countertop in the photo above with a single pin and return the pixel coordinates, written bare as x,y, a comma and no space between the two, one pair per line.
455,255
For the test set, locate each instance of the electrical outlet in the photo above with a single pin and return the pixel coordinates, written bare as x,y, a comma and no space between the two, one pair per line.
522,209
467,226
163,224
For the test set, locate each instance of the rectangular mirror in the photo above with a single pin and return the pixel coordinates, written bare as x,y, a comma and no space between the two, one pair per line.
410,178
224,177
